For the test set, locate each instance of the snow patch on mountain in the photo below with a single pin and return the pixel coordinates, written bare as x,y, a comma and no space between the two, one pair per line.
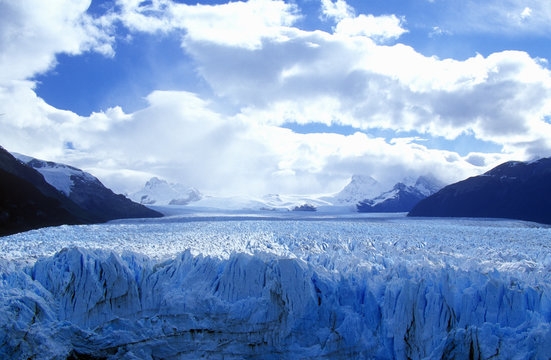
160,192
60,176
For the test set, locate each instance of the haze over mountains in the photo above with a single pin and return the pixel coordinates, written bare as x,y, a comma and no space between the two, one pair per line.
40,193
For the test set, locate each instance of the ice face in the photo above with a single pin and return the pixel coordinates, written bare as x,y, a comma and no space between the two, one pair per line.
374,288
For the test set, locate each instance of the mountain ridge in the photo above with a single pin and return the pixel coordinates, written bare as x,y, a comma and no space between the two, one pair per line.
87,191
512,190
402,197
28,201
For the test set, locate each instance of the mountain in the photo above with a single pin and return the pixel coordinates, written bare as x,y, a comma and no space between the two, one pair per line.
402,197
514,190
428,185
28,202
87,192
159,192
359,188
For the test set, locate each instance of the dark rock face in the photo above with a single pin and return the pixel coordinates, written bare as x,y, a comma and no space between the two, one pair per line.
28,202
304,207
513,190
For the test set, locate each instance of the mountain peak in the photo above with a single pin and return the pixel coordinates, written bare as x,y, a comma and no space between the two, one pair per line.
360,187
428,184
402,197
160,192
155,181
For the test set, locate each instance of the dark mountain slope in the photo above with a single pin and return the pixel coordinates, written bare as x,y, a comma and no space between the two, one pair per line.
88,192
27,201
514,190
23,207
104,204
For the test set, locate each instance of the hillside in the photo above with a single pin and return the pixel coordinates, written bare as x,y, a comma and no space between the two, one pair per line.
513,190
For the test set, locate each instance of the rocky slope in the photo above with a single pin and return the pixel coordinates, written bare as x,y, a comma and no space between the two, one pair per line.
88,192
514,190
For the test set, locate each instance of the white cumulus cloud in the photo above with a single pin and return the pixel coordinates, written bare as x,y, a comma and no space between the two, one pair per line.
243,24
32,32
377,27
337,10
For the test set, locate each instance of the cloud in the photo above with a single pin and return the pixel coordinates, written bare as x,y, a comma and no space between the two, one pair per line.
510,17
380,28
264,73
337,10
353,81
179,137
33,32
242,24
526,13
283,74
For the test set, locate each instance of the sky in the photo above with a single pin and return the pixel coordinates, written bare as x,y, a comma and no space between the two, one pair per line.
272,96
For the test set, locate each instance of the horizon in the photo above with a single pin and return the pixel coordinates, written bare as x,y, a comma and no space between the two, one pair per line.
263,96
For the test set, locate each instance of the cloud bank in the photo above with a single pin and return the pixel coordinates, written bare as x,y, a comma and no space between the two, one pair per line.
264,72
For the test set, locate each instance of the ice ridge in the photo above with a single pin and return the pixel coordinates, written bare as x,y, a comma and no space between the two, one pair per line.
128,306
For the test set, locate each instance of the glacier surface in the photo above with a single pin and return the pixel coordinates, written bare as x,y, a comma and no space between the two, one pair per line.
367,287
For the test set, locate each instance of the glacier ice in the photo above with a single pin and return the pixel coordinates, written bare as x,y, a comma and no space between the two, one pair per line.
373,288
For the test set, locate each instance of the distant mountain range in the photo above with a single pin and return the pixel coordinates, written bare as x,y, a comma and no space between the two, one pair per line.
36,193
514,190
402,197
363,193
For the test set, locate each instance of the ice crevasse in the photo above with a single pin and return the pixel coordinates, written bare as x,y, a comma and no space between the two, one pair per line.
129,306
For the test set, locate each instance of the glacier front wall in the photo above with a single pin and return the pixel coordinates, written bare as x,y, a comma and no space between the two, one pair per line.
106,305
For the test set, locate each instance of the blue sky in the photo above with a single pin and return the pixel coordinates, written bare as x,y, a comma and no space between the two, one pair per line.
266,96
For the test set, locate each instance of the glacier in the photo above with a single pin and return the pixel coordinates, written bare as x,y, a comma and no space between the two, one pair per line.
368,287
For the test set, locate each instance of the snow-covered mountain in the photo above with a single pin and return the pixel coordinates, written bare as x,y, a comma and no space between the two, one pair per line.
160,192
268,202
402,197
359,188
425,184
86,191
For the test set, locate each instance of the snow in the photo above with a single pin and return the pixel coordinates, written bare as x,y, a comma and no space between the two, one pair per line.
361,187
285,286
160,192
59,176
269,202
